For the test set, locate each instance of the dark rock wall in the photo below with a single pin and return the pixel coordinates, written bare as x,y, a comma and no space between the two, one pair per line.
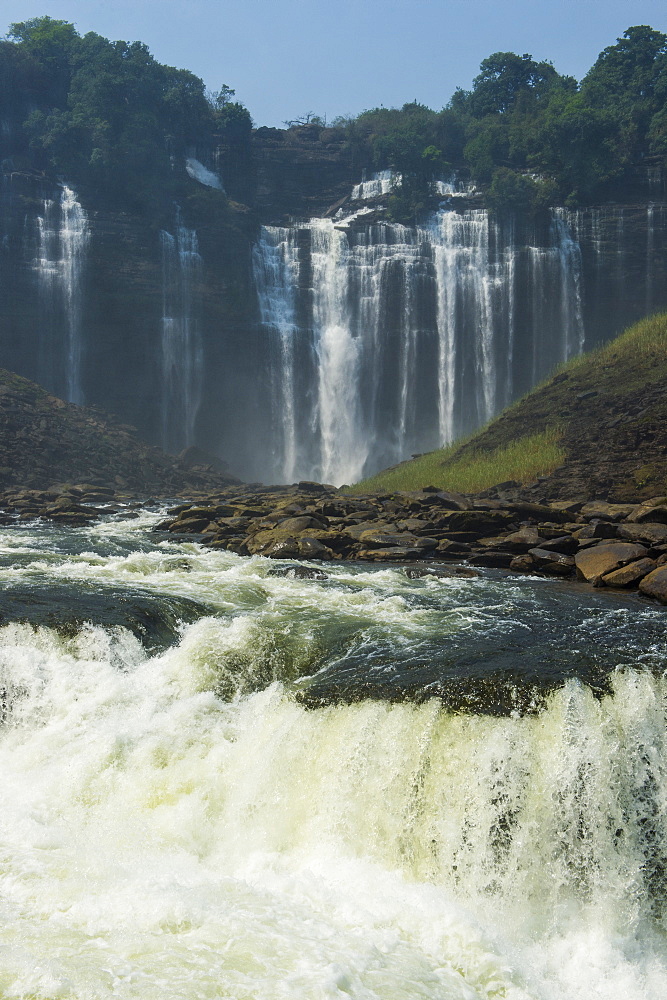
120,295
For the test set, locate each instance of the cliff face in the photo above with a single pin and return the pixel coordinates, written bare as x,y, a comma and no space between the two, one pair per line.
317,349
301,172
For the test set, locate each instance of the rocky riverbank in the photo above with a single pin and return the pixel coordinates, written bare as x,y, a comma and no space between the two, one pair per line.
604,544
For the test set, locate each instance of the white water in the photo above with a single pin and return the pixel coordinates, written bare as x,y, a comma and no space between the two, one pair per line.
195,169
181,340
63,237
159,842
404,339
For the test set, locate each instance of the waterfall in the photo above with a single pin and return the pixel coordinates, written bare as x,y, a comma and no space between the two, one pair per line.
182,355
402,339
63,237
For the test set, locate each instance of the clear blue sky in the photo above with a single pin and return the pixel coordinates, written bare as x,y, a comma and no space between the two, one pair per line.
289,57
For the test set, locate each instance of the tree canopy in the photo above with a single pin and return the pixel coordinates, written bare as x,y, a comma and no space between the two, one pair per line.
108,116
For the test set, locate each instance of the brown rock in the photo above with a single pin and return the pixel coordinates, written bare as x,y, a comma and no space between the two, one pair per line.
297,524
312,548
607,511
646,512
523,563
553,563
395,553
493,560
592,563
630,575
382,539
653,534
655,584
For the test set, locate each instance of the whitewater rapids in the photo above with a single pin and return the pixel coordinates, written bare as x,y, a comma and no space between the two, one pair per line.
177,824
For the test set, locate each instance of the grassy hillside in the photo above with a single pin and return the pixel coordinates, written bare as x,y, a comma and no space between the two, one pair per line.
597,427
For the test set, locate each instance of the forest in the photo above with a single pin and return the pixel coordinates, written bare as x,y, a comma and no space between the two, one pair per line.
110,118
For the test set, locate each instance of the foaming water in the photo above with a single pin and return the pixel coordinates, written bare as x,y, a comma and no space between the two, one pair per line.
179,825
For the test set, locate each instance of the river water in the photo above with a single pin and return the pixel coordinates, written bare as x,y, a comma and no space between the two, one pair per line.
363,786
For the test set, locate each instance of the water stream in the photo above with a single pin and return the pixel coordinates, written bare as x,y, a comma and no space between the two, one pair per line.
179,821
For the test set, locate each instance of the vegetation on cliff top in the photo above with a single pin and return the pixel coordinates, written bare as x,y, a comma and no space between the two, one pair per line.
596,428
112,120
106,115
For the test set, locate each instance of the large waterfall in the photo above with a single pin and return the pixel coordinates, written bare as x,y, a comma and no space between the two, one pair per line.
329,348
63,236
181,340
385,340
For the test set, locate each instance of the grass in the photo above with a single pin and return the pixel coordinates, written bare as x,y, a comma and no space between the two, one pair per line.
521,460
621,372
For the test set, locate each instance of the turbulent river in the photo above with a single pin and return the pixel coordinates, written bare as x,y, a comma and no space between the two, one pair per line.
358,785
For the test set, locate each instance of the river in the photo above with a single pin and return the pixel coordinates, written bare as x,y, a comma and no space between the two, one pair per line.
355,785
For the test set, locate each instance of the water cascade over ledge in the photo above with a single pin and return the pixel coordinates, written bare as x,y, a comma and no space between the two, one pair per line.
63,237
181,340
387,340
176,824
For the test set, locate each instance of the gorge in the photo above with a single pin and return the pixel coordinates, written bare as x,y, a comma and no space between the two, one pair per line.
324,349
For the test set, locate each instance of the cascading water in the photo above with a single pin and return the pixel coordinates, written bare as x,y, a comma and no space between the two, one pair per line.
407,338
182,352
177,824
63,237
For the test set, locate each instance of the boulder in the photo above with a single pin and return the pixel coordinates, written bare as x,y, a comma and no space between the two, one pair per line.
630,575
297,524
607,511
592,563
492,560
396,553
383,539
652,534
596,529
476,522
451,549
645,512
523,563
312,548
517,541
565,544
553,563
655,584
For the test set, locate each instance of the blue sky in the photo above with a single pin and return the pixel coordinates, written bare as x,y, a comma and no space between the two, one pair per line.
286,58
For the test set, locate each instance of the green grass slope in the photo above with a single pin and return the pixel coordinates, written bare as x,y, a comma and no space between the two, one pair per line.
596,428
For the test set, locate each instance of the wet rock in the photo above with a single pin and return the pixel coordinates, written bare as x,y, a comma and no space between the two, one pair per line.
440,572
655,584
298,572
66,608
593,563
630,575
